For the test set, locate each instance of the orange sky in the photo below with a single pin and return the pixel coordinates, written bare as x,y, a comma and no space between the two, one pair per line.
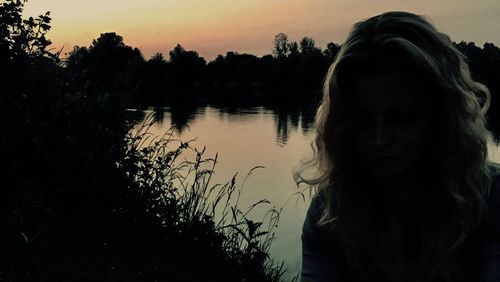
217,26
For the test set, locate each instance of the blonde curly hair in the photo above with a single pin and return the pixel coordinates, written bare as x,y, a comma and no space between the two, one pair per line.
460,168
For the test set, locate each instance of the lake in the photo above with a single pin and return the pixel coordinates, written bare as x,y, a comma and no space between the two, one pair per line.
244,138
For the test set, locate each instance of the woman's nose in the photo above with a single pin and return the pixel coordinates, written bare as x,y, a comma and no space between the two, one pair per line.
380,133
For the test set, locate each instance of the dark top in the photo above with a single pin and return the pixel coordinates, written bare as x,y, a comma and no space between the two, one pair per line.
322,261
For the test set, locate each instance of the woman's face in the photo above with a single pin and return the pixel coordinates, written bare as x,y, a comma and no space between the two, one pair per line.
390,122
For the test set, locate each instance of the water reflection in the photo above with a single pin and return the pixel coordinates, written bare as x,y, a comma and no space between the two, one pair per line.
281,125
179,117
286,119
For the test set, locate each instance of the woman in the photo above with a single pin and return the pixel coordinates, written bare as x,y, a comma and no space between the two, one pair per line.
405,191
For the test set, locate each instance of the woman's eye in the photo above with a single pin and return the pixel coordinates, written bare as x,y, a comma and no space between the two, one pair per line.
361,119
406,117
397,118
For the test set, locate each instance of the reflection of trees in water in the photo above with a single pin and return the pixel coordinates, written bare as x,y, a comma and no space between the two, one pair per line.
159,114
286,120
307,121
182,114
281,122
294,119
237,111
134,117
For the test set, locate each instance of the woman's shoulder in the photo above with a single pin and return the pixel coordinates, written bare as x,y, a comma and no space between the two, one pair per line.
315,211
322,259
315,232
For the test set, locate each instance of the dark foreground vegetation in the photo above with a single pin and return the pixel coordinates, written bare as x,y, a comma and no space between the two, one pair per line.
82,199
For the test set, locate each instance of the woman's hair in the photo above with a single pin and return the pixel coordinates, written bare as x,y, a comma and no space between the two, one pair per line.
456,173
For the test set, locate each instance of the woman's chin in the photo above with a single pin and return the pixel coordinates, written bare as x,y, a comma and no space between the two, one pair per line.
387,167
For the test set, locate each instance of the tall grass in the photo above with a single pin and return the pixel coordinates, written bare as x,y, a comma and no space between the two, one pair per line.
177,180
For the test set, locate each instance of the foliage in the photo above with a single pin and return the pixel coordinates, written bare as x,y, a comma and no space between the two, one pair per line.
308,46
23,51
21,37
81,200
331,51
293,48
227,245
107,64
280,45
186,67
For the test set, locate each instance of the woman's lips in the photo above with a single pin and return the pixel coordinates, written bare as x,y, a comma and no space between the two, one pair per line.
385,157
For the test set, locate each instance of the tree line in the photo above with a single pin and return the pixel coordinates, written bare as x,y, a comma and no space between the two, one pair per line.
110,64
294,70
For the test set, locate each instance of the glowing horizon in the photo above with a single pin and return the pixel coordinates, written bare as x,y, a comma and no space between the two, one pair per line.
215,27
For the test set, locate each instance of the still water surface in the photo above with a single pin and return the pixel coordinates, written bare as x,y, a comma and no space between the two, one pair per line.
257,136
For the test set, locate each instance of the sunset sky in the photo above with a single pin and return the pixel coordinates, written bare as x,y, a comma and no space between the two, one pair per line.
213,27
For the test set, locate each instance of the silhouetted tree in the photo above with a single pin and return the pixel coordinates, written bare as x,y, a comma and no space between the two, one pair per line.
293,49
77,59
186,68
155,78
234,68
157,57
308,46
280,48
20,36
108,57
108,64
176,52
267,64
23,48
331,51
